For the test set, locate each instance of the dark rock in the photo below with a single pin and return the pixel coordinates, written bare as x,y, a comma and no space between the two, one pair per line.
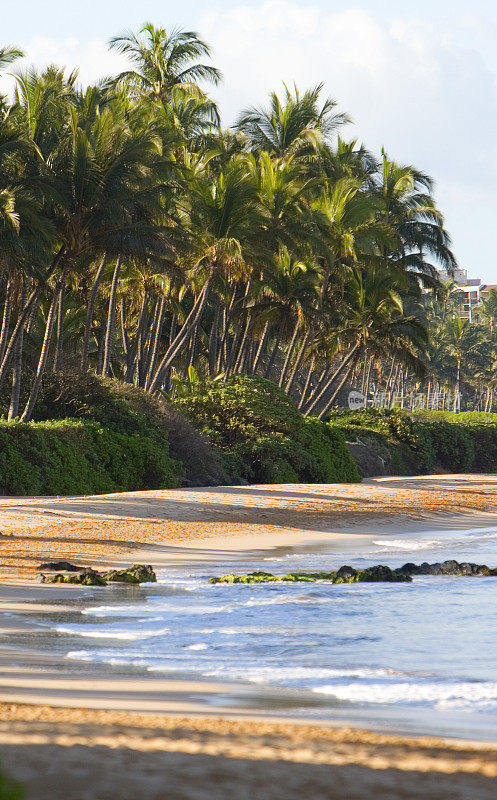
381,574
449,567
345,573
60,566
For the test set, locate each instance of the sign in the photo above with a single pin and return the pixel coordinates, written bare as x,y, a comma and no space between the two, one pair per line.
356,400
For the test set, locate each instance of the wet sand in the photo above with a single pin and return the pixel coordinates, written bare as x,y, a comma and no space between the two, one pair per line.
74,752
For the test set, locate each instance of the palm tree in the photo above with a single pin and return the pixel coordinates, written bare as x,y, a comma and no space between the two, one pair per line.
408,208
295,126
164,60
223,218
460,339
488,308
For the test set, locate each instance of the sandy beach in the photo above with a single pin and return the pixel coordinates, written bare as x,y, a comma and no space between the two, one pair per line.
67,737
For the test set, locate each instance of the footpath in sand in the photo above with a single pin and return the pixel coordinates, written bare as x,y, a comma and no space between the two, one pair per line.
81,754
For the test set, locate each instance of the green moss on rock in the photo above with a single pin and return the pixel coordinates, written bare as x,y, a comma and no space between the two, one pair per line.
138,573
377,574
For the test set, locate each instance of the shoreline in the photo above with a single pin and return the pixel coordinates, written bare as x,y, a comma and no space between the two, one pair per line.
40,719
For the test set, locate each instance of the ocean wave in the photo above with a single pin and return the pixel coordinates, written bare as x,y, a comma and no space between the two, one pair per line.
408,544
107,657
450,695
291,676
87,632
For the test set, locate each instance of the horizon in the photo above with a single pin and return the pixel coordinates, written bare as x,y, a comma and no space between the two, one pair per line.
388,68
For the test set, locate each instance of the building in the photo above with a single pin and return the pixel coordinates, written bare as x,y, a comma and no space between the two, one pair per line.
469,292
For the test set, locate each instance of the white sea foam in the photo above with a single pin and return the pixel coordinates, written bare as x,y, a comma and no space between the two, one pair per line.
463,695
408,544
105,657
88,632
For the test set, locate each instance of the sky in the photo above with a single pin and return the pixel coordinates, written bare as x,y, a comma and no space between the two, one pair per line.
419,79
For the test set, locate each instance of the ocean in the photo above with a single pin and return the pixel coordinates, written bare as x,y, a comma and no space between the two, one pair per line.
415,657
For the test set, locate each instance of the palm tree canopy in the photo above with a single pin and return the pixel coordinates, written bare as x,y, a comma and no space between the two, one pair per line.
164,59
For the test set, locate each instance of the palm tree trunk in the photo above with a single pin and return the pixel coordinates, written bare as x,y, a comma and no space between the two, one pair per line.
124,332
154,344
42,361
303,397
240,338
7,310
166,381
298,361
223,347
15,393
331,399
289,354
346,361
140,341
187,330
111,319
25,312
213,338
59,341
272,357
368,379
260,348
193,348
458,380
90,311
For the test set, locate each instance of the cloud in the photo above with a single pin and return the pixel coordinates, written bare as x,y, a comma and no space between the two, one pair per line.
419,90
92,58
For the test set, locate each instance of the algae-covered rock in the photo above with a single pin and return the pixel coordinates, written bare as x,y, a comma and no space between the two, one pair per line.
376,574
344,575
86,577
138,573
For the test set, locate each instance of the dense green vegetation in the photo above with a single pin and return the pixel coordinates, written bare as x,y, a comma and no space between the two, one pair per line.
155,266
420,442
263,436
9,789
77,457
138,237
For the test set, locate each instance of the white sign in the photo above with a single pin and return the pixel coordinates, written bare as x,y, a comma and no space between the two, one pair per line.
356,400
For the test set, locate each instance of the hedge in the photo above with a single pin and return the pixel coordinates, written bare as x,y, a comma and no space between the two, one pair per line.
74,457
419,442
263,436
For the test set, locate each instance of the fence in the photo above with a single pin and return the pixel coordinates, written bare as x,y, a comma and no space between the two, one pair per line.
435,401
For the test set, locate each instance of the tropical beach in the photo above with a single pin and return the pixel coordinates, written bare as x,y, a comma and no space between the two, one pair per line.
248,376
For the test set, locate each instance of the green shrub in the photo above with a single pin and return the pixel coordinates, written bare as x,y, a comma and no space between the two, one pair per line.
481,429
416,443
322,439
79,457
263,436
404,445
453,445
125,409
9,789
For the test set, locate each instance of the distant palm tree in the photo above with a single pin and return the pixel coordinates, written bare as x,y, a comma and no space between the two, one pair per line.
164,60
488,308
460,338
294,126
